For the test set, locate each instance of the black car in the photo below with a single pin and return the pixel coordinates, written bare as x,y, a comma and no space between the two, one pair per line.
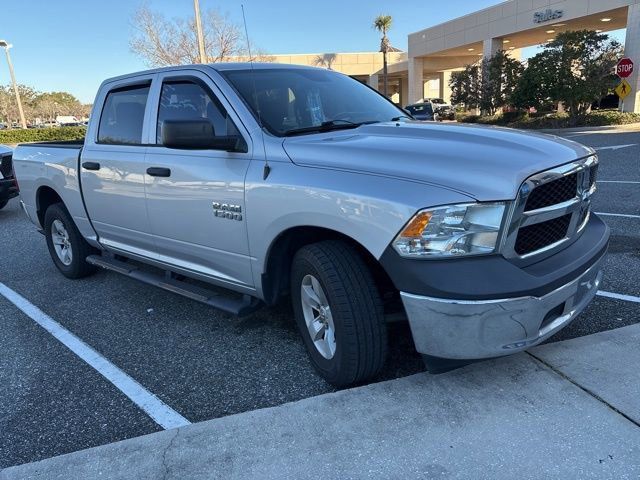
421,111
8,184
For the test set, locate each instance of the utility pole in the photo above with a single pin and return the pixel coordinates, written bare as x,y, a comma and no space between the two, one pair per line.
200,35
7,46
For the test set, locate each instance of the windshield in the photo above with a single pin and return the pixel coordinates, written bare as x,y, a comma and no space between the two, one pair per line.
295,100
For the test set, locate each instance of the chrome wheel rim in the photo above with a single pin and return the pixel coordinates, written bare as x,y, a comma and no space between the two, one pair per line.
61,243
318,317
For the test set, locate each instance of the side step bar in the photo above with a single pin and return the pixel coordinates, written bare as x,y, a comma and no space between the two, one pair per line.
240,306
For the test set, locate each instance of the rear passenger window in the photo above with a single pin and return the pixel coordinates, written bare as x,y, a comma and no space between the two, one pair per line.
184,100
123,116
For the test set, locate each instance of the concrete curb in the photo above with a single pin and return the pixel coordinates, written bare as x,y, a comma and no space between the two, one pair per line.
506,418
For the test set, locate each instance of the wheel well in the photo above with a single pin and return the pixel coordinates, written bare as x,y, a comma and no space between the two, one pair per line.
45,197
276,281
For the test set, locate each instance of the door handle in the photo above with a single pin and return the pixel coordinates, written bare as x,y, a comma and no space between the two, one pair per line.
91,166
159,172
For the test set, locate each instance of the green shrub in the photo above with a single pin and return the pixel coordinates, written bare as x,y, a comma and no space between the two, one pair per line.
497,119
510,117
464,117
491,120
552,121
610,117
522,120
41,134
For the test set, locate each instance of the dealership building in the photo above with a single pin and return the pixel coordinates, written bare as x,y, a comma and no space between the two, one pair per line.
424,70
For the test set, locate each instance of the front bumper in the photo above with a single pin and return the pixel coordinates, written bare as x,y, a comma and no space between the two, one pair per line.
468,329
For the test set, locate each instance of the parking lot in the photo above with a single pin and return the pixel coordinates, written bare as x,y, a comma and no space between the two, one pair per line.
204,364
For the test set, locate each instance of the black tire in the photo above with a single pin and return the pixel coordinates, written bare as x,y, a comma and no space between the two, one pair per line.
356,309
3,204
78,268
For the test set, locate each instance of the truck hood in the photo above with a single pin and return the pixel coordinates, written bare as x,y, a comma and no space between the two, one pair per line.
487,163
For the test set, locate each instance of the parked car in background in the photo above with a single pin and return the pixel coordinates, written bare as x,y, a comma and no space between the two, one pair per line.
8,184
421,111
67,121
444,112
2,126
441,109
287,182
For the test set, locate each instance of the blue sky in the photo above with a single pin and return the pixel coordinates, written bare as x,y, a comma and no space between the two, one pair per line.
72,45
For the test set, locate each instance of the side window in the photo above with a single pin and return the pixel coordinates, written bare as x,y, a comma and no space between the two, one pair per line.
123,116
184,100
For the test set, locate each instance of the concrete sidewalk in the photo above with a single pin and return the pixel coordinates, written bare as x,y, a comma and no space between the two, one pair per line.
569,410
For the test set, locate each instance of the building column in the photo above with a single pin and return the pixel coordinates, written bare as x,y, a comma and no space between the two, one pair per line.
404,91
445,89
373,81
491,46
416,79
632,51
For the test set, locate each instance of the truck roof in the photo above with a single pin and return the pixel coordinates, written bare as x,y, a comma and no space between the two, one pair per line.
215,66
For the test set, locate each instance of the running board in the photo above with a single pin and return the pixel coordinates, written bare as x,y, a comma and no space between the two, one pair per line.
240,306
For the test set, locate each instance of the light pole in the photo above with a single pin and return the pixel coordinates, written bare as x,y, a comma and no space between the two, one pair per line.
200,35
7,46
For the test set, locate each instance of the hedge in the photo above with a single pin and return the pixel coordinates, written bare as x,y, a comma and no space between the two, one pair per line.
597,118
17,135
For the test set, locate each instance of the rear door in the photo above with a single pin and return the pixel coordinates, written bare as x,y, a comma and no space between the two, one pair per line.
113,166
197,211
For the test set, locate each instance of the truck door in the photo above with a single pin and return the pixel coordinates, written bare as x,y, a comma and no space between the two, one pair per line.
195,195
113,167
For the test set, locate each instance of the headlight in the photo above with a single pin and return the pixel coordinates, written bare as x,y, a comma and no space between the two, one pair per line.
452,230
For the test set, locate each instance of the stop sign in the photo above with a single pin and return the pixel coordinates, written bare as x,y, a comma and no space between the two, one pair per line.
624,68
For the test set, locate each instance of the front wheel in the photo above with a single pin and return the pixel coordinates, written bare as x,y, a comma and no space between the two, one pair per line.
339,312
67,247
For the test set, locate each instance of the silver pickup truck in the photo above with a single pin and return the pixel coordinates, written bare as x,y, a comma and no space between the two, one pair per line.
238,185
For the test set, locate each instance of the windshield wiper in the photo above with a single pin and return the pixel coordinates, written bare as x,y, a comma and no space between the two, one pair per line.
327,126
395,119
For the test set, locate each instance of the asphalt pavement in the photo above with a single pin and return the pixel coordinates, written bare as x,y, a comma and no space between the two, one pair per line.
565,410
203,363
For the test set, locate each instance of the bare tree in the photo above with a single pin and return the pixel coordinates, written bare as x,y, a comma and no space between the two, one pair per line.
162,42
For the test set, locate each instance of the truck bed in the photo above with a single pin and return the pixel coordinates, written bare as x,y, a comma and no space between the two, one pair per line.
49,165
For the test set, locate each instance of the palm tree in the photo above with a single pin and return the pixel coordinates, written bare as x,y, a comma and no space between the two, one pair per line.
382,23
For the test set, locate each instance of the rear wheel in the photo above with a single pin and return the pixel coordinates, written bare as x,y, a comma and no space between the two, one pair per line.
3,204
339,312
67,247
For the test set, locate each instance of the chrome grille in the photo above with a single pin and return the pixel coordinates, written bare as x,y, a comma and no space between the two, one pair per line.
552,193
552,207
537,236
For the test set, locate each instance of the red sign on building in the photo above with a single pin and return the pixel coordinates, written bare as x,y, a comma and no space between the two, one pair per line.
624,68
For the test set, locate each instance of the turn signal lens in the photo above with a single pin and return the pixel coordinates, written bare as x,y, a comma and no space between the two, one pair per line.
417,224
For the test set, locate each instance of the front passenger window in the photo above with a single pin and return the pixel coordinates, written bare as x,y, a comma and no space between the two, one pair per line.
184,100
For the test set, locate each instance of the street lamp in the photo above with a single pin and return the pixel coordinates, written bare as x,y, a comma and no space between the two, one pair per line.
7,46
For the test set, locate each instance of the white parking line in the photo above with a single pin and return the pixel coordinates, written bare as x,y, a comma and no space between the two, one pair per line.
615,147
618,296
618,181
617,215
159,411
